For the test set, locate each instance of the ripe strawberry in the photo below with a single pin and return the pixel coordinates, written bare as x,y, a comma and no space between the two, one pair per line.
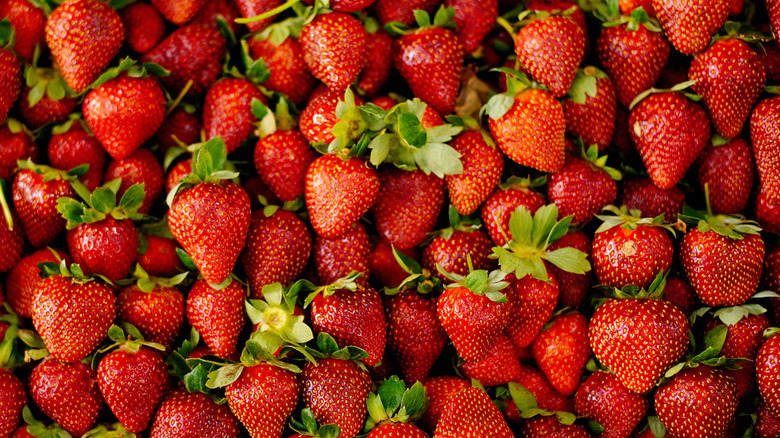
284,60
727,171
550,49
17,145
133,383
277,248
767,423
339,190
182,123
379,61
35,200
180,11
251,8
540,427
573,287
471,412
262,398
430,59
334,46
185,414
590,106
452,247
22,281
227,110
697,402
678,292
28,21
669,131
601,396
730,76
218,315
764,123
350,5
483,165
38,110
534,301
547,397
72,317
638,339
225,9
582,187
503,202
67,393
281,160
155,309
633,56
391,430
439,389
144,27
160,258
403,10
562,351
13,397
474,20
499,367
108,247
767,373
177,173
192,52
336,391
75,147
11,74
336,258
689,24
319,117
140,167
641,194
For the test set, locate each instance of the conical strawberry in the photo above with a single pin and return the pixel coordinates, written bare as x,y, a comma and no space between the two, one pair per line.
764,123
728,172
471,412
333,47
690,24
562,351
767,373
218,315
281,160
227,110
590,107
483,165
338,257
185,414
499,367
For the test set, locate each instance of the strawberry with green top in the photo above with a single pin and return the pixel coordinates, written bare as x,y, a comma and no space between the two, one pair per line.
209,215
28,20
278,315
22,280
140,167
231,107
590,107
45,96
455,248
308,427
471,412
333,46
72,145
217,314
393,408
507,197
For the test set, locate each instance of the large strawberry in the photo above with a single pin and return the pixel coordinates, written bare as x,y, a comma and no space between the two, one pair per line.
281,160
562,351
227,110
471,412
767,373
334,46
728,172
13,397
483,165
590,107
689,24
764,124
83,36
218,315
184,414
28,21
510,195
601,396
210,216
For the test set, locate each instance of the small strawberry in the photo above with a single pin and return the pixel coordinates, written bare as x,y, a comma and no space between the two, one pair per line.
764,123
28,21
336,258
218,315
767,373
83,36
471,412
157,255
728,172
384,267
562,350
439,390
184,414
690,24
281,160
319,117
140,167
697,402
180,11
182,123
402,11
72,145
573,287
680,294
144,27
334,46
510,195
452,248
483,165
22,281
499,367
227,110
547,397
641,194
215,10
284,60
474,20
13,397
534,301
177,173
602,395
590,106
540,427
18,144
45,96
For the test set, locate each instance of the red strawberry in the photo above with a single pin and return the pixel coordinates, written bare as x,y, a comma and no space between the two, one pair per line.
336,391
262,398
764,125
768,215
185,414
590,107
383,266
334,47
730,76
178,12
727,171
550,49
133,384
140,167
439,390
218,315
452,248
638,339
251,8
641,194
11,239
225,9
227,110
35,200
160,258
83,35
13,397
38,110
474,20
483,165
281,160
284,60
601,396
22,280
157,313
336,258
339,190
678,292
11,75
690,24
391,430
379,61
67,393
534,301
471,412
767,373
28,21
108,247
562,351
500,366
403,10
193,52
767,423
697,402
75,147
573,287
144,27
540,427
277,248
669,131
545,394
182,123
582,187
17,145
177,173
503,202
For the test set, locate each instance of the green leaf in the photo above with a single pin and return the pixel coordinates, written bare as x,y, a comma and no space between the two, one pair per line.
543,222
103,200
523,398
329,431
391,392
439,159
477,280
116,334
584,85
444,16
716,337
411,131
156,69
656,426
422,18
569,259
224,376
498,105
186,260
443,133
415,400
521,225
259,110
133,198
380,148
559,230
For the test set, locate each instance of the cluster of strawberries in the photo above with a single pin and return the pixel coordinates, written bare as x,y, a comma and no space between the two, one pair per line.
389,218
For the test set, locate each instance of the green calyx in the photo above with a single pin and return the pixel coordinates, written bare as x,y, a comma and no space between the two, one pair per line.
585,84
101,203
37,429
419,280
629,220
129,67
277,33
148,283
676,88
194,373
254,69
128,338
5,206
209,164
500,103
49,173
654,291
12,348
72,271
744,32
45,82
591,155
443,18
734,314
275,314
733,227
115,430
516,182
351,125
393,402
347,283
480,282
526,252
308,426
528,407
609,14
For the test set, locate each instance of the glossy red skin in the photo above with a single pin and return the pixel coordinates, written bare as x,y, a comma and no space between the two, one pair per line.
722,271
397,430
72,318
182,124
334,47
46,110
218,315
211,222
133,384
743,340
581,189
474,19
77,147
67,393
540,427
36,204
336,258
350,5
483,165
379,63
289,74
83,36
690,24
336,391
185,414
678,292
180,11
16,146
534,301
452,253
430,60
11,243
277,250
641,194
471,413
439,389
22,280
176,173
767,424
281,160
158,314
226,9
601,396
500,366
765,139
28,22
768,215
319,117
622,256
402,10
227,110
771,280
593,120
562,351
160,258
573,288
768,375
501,204
141,167
251,8
108,247
383,266
144,27
728,171
13,397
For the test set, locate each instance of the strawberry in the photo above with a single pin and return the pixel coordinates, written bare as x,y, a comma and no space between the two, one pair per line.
641,194
689,24
723,258
140,167
144,27
500,366
729,75
72,316
483,165
13,397
452,247
439,390
638,339
669,131
727,172
23,279
218,9
55,105
11,238
540,427
319,117
17,145
284,60
573,287
177,173
601,396
498,208
209,216
767,375
764,123
534,301
124,112
631,250
339,190
155,306
336,258
133,382
474,20
562,350
74,146
218,315
403,10
11,74
158,257
391,430
334,47
379,60
192,52
184,414
182,123
252,8
767,423
415,336
550,49
67,393
383,266
697,402
28,21
545,394
336,391
281,160
35,193
180,11
583,186
393,407
471,412
590,106
678,292
227,110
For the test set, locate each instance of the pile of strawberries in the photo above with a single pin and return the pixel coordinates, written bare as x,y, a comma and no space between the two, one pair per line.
389,218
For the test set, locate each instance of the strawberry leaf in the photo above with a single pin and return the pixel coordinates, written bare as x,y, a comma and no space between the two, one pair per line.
569,259
498,105
411,131
391,393
103,200
523,398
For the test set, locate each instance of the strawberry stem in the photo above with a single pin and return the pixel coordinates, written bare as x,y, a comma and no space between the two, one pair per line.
267,14
178,99
9,220
508,27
